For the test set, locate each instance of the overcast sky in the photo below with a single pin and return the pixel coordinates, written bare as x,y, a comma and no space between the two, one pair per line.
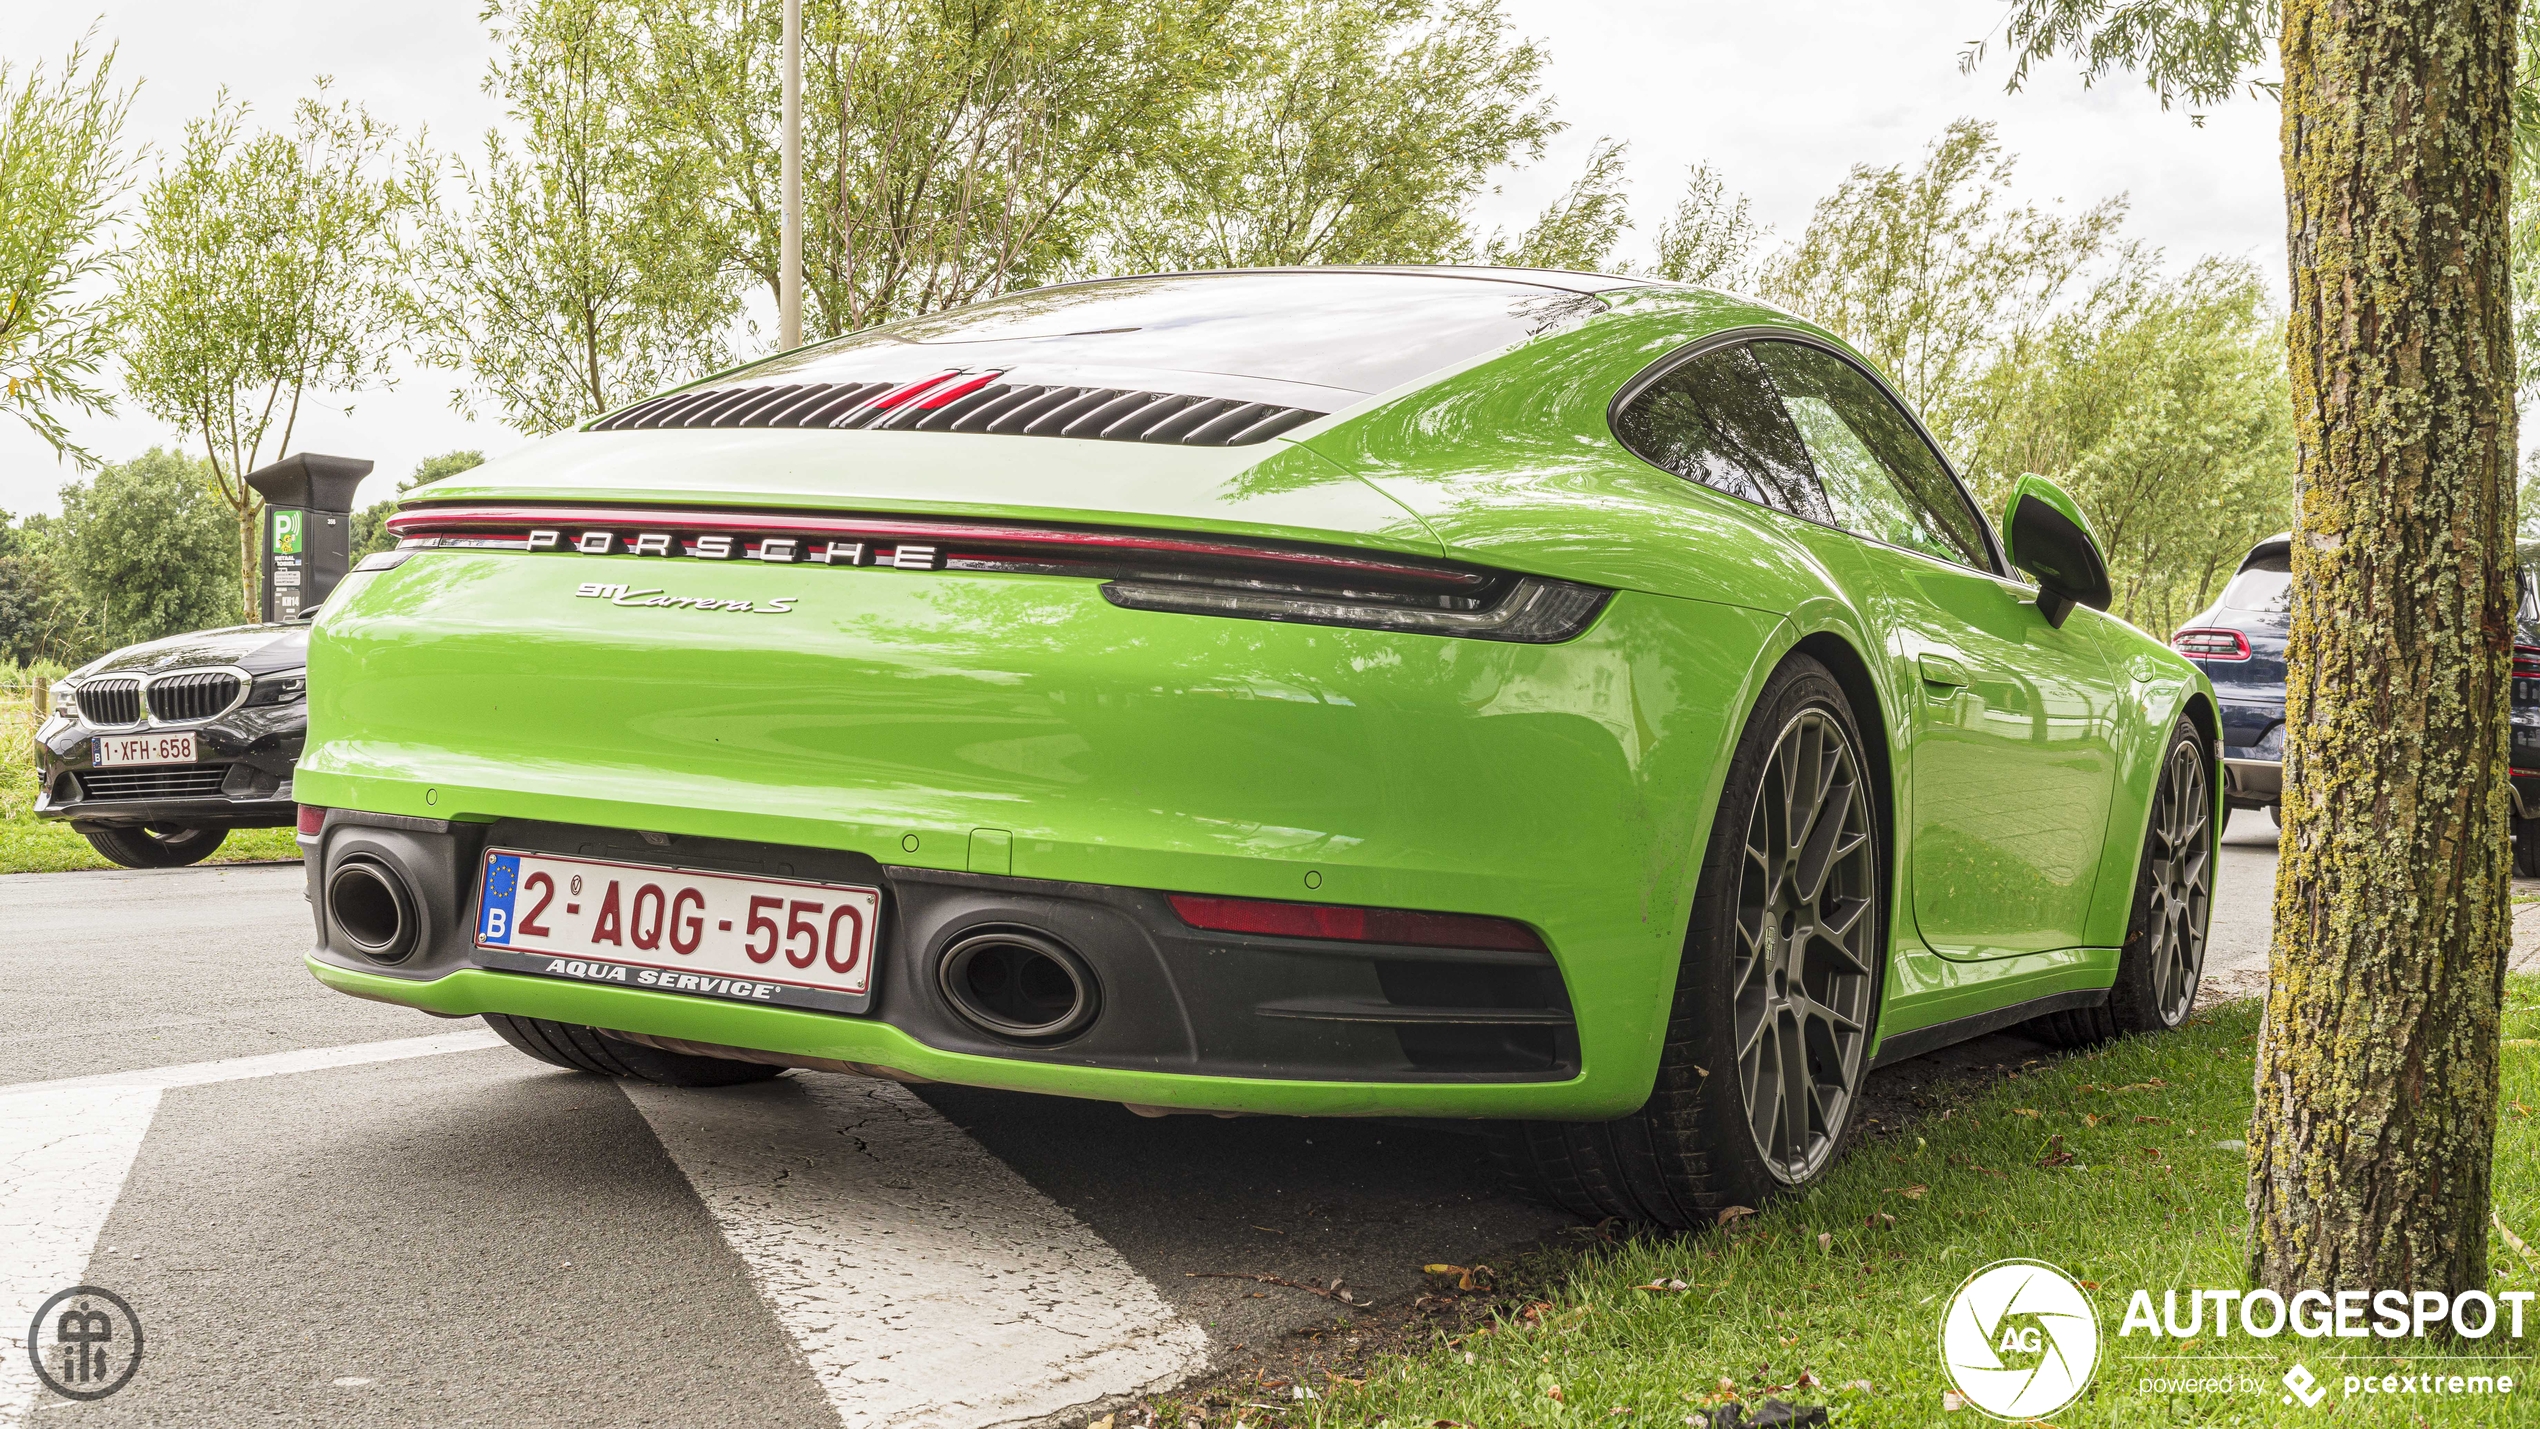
1782,98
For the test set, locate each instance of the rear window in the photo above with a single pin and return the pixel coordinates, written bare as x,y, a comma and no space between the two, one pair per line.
1343,333
2264,585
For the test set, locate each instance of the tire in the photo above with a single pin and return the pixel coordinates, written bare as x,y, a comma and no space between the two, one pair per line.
1715,1132
585,1049
156,848
2526,848
2164,956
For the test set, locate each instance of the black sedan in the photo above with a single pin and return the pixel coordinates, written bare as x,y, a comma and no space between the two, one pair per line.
2239,643
157,751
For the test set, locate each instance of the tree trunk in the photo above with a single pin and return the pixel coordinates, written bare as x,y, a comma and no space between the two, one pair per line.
2371,1144
250,561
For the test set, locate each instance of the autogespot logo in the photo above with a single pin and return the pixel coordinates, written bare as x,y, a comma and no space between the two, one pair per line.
2020,1339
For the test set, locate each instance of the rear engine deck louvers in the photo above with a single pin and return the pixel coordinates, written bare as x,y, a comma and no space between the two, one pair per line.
976,402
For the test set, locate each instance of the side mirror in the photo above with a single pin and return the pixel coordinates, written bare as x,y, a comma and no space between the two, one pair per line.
2050,540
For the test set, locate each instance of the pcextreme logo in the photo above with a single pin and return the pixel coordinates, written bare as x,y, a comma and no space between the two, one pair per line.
2020,1339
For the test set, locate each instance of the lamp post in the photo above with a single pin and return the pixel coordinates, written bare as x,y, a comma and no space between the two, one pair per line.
789,248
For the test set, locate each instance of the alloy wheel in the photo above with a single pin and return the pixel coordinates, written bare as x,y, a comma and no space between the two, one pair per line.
2180,869
1804,974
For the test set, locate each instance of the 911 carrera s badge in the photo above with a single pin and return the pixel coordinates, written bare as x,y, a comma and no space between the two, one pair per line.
655,597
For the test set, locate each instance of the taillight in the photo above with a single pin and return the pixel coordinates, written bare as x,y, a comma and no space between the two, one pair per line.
2527,662
1529,610
2209,642
1139,570
312,819
1354,925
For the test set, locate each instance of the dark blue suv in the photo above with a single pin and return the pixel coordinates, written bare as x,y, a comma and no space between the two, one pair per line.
2239,643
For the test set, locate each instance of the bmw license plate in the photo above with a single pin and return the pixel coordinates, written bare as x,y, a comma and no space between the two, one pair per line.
768,940
114,749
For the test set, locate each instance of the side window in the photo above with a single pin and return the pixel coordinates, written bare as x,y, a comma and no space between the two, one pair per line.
1716,420
1880,477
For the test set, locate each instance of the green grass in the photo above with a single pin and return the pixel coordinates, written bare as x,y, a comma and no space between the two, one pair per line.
32,845
1846,1286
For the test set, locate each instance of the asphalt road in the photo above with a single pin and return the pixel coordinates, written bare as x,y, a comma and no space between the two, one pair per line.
327,1211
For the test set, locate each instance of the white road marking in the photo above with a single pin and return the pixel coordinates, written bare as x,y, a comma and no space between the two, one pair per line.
66,1147
63,1156
274,1064
928,1285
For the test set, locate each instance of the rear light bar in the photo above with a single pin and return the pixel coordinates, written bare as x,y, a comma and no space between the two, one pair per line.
1336,923
2210,642
2527,662
1141,570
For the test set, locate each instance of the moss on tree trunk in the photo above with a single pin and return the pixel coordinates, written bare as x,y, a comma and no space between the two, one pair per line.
2371,1143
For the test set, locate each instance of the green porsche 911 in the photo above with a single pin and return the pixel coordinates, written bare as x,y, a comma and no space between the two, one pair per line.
1586,704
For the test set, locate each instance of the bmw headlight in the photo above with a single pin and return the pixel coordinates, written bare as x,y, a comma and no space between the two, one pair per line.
65,700
284,687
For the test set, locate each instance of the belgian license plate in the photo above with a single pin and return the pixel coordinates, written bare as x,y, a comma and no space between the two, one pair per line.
683,930
145,749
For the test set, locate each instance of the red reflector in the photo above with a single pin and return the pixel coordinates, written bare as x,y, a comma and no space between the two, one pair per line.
1354,925
957,391
2527,661
2211,643
312,819
888,400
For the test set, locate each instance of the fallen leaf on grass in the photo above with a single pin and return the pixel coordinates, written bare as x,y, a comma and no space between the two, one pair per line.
1732,1213
1825,1241
2151,1121
2091,1118
1857,1386
2151,1153
1951,1401
1664,1287
2055,1155
1467,1277
2514,1240
1879,1218
2029,1111
1911,1193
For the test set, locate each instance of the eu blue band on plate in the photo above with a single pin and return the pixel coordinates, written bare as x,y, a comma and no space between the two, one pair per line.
502,882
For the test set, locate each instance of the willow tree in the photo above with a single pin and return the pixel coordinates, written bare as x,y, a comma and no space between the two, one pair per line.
266,273
63,170
577,275
2372,1142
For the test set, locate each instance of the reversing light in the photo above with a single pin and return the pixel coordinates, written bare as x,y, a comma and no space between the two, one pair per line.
1337,923
2210,642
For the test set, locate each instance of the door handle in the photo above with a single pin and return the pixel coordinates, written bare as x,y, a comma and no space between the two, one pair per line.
1941,670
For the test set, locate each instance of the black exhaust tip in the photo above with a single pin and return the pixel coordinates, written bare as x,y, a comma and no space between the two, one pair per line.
372,909
1019,985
